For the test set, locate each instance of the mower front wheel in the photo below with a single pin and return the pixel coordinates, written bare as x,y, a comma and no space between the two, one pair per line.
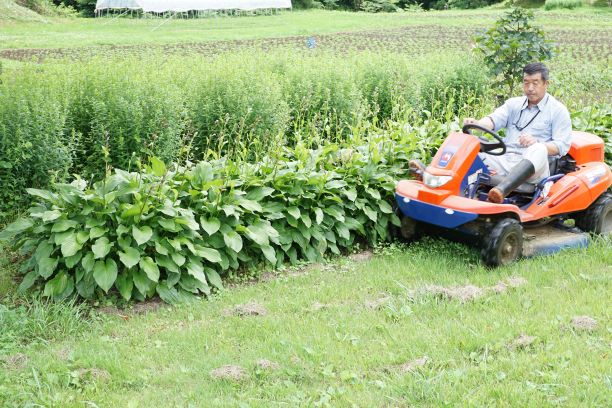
409,229
504,244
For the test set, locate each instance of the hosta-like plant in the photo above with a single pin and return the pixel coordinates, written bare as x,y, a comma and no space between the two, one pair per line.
175,233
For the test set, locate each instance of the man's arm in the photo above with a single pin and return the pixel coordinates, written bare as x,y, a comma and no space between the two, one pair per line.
485,122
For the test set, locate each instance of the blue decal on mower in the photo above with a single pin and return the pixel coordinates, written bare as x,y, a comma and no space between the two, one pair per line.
447,155
433,214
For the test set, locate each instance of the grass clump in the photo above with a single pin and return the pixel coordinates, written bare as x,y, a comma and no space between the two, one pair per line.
562,4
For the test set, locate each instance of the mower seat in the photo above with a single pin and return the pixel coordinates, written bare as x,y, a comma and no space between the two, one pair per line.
527,188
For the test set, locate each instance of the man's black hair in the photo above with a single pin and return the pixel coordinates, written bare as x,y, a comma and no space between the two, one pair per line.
534,68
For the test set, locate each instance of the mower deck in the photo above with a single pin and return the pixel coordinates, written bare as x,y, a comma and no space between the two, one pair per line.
550,239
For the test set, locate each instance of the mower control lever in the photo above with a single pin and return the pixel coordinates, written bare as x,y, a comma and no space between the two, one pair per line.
486,146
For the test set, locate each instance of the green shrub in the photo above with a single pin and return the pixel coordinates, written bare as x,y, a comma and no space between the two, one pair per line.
125,110
175,232
34,148
562,4
236,108
509,45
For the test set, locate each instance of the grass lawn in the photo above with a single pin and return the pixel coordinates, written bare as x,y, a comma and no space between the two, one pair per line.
78,32
353,332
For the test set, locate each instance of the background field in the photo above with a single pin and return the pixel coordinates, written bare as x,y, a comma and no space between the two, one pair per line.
389,329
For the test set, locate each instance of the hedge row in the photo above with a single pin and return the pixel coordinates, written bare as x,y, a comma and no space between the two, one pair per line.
175,232
64,118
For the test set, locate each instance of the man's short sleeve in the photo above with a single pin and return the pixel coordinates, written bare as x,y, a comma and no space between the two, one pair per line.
500,116
562,130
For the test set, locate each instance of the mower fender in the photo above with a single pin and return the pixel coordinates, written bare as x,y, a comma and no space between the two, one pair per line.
433,214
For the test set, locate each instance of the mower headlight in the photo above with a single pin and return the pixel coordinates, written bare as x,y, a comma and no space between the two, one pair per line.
435,181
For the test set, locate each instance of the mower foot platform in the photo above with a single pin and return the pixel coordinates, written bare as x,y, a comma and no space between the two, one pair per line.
549,239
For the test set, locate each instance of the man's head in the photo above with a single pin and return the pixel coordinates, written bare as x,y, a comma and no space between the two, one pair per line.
535,81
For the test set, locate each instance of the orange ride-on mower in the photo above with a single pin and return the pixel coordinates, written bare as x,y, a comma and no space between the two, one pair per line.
449,197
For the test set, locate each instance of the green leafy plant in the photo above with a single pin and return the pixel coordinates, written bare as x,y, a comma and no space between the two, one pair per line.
176,232
509,45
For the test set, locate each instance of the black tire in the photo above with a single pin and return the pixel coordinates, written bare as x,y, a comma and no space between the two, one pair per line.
598,217
409,229
504,244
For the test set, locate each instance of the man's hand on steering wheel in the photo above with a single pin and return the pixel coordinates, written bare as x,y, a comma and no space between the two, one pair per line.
486,146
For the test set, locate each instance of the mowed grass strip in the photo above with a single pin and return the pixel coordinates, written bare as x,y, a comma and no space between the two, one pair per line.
85,32
361,331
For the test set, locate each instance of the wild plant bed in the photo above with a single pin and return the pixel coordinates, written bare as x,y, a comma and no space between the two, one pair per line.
175,232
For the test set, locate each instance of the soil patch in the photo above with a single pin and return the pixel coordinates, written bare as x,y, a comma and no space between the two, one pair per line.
229,372
17,361
461,293
94,374
411,366
523,341
362,256
584,323
247,309
267,364
377,303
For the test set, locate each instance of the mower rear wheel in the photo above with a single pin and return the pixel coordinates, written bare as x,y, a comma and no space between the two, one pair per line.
504,244
598,217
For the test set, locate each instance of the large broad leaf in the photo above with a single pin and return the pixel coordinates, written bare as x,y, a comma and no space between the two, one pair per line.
211,255
168,225
70,245
28,281
149,267
249,205
63,225
51,215
178,258
71,261
105,273
130,257
210,225
158,167
169,294
258,234
44,194
294,212
319,215
142,235
142,283
97,232
233,240
385,207
259,193
269,253
46,267
196,270
373,215
351,194
101,248
57,286
125,284
167,263
88,262
17,227
214,278
43,250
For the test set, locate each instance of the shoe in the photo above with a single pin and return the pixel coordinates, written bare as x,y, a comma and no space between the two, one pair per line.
517,176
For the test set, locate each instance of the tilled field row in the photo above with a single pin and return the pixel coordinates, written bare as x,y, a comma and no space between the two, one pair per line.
585,44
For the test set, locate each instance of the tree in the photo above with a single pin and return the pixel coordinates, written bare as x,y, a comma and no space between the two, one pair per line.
510,44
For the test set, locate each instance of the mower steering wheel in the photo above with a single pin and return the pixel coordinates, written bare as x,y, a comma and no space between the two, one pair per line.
486,146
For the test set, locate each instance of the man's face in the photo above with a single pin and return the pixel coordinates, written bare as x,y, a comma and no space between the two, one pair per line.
534,87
